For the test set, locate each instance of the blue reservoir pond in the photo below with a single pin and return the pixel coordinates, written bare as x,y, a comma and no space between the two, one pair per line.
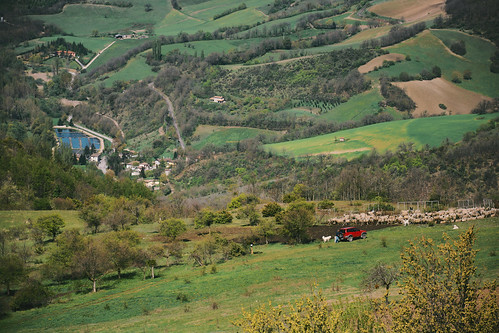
76,139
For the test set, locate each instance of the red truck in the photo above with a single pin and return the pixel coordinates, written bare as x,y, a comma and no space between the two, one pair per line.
349,233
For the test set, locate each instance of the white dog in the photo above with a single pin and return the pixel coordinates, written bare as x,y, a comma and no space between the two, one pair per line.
455,227
326,239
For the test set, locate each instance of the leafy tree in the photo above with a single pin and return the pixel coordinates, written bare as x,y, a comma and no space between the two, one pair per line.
271,209
52,225
121,248
61,259
11,270
93,261
32,294
296,220
266,229
204,218
172,228
439,289
223,217
381,275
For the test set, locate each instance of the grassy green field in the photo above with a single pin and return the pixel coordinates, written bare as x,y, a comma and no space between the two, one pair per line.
277,273
116,50
8,219
219,135
135,69
92,43
358,107
384,136
76,18
427,50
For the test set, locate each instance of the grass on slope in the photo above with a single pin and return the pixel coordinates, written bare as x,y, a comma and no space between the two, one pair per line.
9,219
427,50
115,50
220,135
277,273
82,19
135,69
92,43
358,107
384,136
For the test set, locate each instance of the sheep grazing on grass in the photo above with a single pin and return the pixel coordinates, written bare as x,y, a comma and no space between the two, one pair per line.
326,239
455,227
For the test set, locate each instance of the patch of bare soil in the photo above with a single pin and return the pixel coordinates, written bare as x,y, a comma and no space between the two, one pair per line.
410,10
429,94
378,62
70,102
44,76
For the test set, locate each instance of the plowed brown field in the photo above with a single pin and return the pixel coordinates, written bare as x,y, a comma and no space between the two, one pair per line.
410,10
429,94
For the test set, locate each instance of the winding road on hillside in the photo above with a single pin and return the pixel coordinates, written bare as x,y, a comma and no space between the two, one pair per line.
171,111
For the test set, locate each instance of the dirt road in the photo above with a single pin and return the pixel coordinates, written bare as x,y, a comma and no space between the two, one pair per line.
171,111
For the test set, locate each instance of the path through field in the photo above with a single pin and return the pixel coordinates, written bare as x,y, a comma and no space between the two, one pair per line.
96,56
171,111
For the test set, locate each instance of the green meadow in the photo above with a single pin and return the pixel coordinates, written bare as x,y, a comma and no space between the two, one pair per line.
277,273
359,106
82,19
384,136
428,49
9,218
220,135
116,50
135,69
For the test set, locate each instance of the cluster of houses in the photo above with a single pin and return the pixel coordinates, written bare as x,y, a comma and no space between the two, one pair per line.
136,167
130,36
70,54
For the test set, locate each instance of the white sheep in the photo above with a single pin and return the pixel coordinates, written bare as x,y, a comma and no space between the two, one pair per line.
326,239
455,227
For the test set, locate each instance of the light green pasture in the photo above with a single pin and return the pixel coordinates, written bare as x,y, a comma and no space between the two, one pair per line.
384,136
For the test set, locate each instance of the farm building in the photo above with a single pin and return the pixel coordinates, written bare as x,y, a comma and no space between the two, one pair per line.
67,53
217,99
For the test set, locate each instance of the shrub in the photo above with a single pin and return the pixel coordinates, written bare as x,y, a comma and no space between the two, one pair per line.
467,74
271,209
223,217
325,204
442,106
172,228
458,47
182,297
31,295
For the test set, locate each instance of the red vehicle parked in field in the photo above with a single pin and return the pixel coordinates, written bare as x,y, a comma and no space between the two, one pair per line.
349,233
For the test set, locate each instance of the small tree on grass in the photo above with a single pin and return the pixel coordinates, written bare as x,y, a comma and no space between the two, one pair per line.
12,270
440,292
51,225
172,228
93,261
296,220
381,275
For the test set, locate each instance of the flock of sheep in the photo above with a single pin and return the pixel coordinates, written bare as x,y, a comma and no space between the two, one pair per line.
407,217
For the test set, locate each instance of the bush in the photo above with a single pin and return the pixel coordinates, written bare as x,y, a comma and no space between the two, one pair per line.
172,228
271,209
325,204
458,47
31,295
